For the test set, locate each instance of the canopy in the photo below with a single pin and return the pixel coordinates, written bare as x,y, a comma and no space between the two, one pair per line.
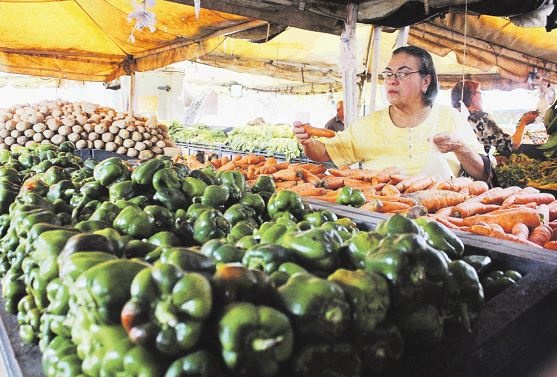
88,39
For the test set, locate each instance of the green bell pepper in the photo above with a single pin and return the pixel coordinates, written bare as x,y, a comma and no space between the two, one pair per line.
193,186
442,238
315,248
361,245
172,198
161,217
239,212
210,224
398,224
351,197
167,308
319,308
111,170
234,282
221,252
134,222
215,196
196,364
106,211
465,295
421,326
123,190
267,257
254,201
104,288
285,201
380,349
144,173
497,281
368,295
323,359
166,178
264,183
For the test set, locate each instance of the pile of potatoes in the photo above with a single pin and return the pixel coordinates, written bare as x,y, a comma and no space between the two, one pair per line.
86,125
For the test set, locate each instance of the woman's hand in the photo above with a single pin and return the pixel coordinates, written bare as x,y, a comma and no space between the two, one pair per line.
300,133
447,142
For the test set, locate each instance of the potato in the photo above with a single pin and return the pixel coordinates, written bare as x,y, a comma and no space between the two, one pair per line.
68,121
22,126
73,137
89,127
4,133
65,130
29,133
15,133
81,144
129,143
122,150
39,127
53,124
98,144
94,136
145,155
113,129
58,139
89,144
139,146
106,137
48,134
110,146
9,141
156,150
118,140
101,128
22,140
160,144
132,152
38,137
124,134
136,136
120,124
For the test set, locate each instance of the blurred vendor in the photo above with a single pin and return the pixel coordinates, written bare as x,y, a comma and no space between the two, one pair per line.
337,122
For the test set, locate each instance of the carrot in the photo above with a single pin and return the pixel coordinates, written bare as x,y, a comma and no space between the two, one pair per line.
268,170
497,195
551,245
283,165
481,229
325,198
521,231
469,208
285,184
290,174
447,221
318,132
307,189
553,224
373,205
475,188
445,211
216,163
507,218
237,157
356,183
420,184
552,207
254,159
541,198
527,190
311,178
341,172
540,234
314,168
389,189
402,186
395,179
454,184
437,199
224,160
230,165
386,174
332,182
393,207
411,202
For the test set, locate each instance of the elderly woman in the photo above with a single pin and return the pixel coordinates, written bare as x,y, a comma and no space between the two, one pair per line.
467,93
413,133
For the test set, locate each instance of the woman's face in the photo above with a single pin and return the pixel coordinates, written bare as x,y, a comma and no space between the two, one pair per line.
409,89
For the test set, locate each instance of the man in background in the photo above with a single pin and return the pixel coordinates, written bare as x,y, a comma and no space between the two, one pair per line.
337,122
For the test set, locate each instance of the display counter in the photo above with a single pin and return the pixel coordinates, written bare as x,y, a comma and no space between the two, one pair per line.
514,335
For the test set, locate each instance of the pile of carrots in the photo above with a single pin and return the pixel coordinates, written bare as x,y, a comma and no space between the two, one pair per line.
517,214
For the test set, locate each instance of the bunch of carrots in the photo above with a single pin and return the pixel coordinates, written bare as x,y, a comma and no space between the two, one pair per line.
522,215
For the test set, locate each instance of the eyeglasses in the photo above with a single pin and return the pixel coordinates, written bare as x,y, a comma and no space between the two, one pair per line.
399,75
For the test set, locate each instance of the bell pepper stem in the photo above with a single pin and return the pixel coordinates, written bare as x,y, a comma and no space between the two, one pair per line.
260,345
334,315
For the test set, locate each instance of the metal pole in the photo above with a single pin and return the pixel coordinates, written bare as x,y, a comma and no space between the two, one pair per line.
132,93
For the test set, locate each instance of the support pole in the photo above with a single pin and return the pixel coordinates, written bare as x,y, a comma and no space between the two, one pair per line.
347,64
132,93
374,63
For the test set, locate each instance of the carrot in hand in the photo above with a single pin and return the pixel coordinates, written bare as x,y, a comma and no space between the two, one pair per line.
317,132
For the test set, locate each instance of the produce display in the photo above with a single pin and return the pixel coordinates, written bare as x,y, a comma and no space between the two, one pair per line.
521,170
160,270
549,148
460,203
261,138
196,134
85,124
